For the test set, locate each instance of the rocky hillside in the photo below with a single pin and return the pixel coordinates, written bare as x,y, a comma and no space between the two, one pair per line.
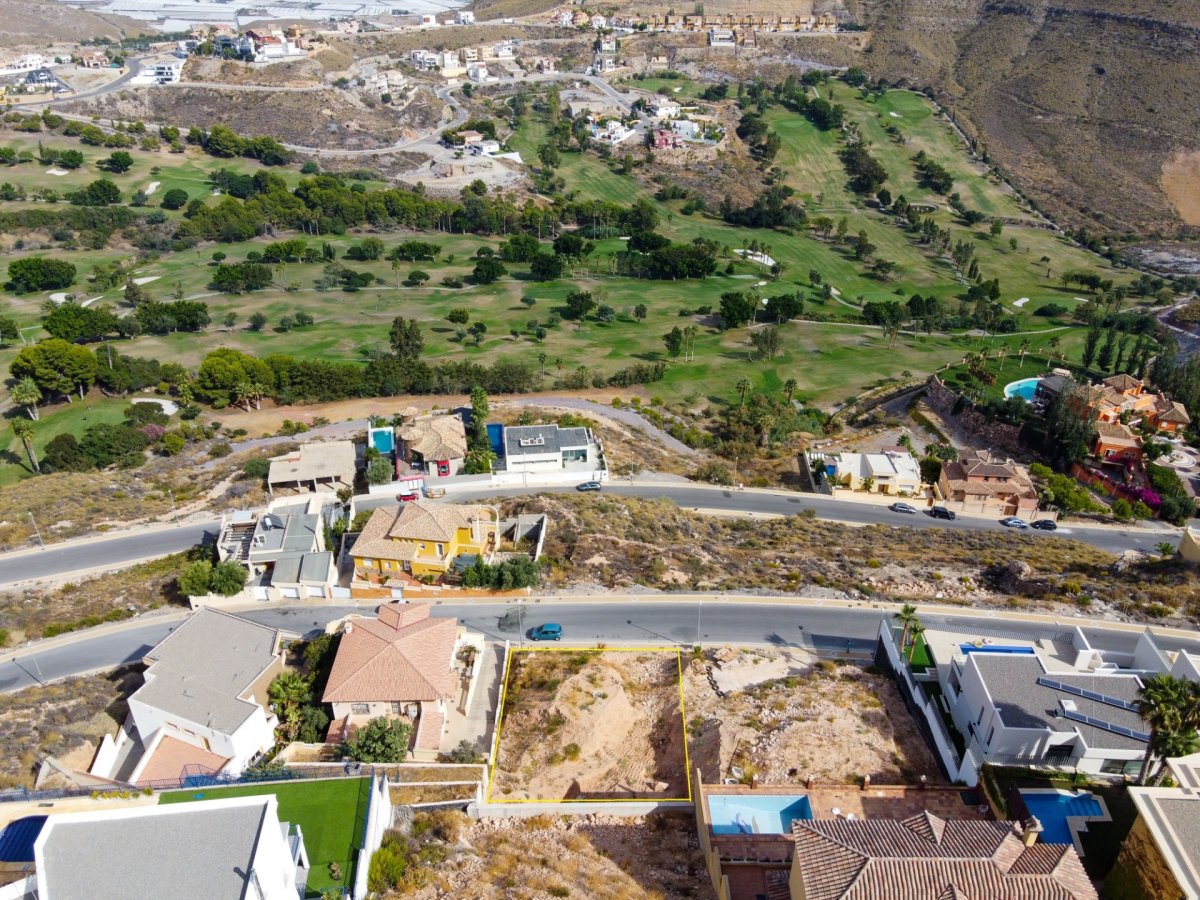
1089,104
35,23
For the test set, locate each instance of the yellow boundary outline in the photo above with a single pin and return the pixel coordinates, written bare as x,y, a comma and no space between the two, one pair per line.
687,766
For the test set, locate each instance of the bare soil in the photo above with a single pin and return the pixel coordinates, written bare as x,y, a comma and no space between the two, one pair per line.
835,723
59,719
25,614
591,724
623,543
1181,183
597,857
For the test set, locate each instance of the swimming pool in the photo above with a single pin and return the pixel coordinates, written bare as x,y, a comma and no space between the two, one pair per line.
995,648
382,439
1064,814
1026,388
756,814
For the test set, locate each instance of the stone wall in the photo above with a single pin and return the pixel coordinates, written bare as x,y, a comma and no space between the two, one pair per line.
996,435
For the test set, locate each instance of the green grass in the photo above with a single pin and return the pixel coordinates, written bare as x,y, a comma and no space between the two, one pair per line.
58,418
830,360
918,654
330,813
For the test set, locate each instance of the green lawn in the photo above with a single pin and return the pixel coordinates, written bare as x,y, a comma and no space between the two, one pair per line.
58,418
331,814
831,360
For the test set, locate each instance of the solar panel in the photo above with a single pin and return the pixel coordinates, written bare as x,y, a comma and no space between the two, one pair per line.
1106,726
1132,706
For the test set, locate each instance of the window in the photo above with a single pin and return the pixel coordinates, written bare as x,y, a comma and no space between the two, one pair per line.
1121,766
991,734
360,709
979,721
397,708
441,549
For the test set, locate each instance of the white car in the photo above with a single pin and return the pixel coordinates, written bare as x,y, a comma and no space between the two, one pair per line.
1014,522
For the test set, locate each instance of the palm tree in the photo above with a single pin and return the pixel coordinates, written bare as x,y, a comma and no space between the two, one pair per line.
542,363
742,387
1024,349
242,392
1171,745
789,388
1168,705
26,393
907,617
288,693
23,429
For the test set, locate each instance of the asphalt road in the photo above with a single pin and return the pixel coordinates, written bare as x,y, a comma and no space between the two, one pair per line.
1113,540
643,621
70,557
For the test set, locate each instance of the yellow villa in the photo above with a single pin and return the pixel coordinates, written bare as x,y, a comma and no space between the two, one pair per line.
420,538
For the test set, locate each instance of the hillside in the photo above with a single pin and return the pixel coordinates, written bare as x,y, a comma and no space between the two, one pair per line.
34,23
1087,104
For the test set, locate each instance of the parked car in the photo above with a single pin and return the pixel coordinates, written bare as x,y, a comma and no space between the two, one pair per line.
903,508
551,631
408,496
1013,522
1044,525
940,512
588,486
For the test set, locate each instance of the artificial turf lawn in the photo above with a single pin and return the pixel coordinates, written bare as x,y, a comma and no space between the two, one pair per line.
330,814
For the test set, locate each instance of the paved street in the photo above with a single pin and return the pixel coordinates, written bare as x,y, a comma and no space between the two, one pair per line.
649,620
82,556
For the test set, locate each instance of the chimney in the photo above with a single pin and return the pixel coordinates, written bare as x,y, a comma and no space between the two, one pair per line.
1032,829
924,782
866,784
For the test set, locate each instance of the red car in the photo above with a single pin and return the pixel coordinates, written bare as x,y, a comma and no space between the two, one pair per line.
413,495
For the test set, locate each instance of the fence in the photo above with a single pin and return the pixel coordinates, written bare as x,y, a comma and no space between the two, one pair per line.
962,767
194,776
378,820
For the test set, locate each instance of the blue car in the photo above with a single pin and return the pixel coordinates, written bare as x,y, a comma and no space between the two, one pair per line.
588,486
548,632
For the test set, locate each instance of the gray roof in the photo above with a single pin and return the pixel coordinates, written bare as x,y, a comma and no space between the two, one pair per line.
1023,703
276,534
186,851
549,438
199,671
294,568
1184,818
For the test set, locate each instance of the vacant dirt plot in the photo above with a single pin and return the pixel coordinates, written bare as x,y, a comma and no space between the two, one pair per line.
580,724
599,857
58,719
833,722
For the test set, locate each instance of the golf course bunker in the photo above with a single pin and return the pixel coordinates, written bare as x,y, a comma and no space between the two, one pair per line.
586,725
924,208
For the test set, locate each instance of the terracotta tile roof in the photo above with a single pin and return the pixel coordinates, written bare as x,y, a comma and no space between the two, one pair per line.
1123,382
1171,411
925,857
403,655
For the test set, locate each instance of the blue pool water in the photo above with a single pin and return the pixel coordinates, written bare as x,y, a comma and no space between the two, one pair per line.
382,440
1052,810
1025,389
995,648
757,814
